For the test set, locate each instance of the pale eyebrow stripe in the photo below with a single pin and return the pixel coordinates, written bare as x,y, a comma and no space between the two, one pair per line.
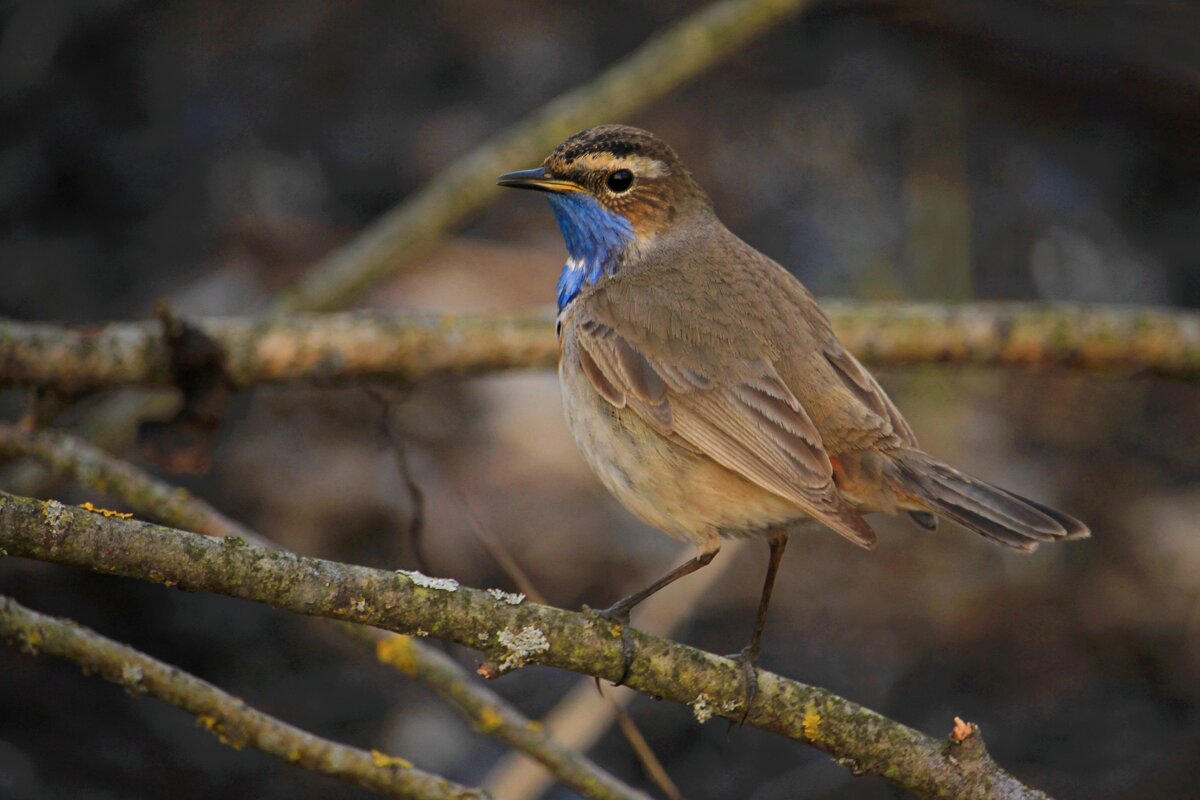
641,166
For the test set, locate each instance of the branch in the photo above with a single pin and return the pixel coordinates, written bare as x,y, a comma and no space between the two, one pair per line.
410,347
487,711
512,636
72,457
403,347
412,228
225,716
1161,342
493,716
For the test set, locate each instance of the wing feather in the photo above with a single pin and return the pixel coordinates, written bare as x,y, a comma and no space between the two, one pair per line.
747,420
867,391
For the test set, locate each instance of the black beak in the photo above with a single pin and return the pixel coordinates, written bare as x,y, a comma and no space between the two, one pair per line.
539,179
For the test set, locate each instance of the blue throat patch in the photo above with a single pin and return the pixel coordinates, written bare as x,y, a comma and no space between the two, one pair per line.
595,239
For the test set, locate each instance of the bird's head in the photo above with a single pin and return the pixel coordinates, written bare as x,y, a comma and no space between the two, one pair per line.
611,187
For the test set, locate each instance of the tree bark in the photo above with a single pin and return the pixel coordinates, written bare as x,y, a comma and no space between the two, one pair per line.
513,635
409,347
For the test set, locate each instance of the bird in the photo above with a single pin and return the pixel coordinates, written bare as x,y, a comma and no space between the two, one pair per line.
706,388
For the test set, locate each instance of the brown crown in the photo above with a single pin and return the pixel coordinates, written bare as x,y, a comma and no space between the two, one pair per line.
664,191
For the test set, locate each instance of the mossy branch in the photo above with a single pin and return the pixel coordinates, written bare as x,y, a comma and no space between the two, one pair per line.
69,456
223,715
489,713
409,347
511,635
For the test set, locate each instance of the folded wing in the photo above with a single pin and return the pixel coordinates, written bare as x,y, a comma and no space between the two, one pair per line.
742,416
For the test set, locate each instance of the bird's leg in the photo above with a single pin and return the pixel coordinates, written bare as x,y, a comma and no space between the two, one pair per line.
749,654
618,612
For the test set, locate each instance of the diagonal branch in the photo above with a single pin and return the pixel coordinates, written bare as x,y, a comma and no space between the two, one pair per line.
487,711
71,457
665,61
410,347
512,635
222,714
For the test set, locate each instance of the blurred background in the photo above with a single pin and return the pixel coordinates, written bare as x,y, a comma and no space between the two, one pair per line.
209,153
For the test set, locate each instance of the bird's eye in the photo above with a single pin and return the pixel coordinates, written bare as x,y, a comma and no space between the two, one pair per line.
619,181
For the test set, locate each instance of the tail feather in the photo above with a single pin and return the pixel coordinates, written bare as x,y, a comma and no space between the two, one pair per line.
996,505
1074,528
992,512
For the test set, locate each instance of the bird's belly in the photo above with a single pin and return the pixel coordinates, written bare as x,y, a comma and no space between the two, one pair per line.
669,486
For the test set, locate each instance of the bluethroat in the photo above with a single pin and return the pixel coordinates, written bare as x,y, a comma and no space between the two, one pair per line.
705,386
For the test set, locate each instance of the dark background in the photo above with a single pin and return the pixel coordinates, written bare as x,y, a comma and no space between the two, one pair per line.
210,152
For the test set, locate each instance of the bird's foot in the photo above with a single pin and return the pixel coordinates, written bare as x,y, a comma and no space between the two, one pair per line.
617,618
746,660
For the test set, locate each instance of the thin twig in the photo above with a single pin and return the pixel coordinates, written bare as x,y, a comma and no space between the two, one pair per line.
409,347
223,715
395,649
645,753
493,716
513,635
612,709
582,716
416,497
488,712
488,539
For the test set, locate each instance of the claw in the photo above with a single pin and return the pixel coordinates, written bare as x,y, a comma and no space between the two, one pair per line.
746,660
749,655
618,616
618,613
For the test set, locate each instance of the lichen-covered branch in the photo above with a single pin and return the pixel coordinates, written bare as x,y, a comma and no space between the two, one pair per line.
222,714
495,717
402,347
1127,340
490,714
71,457
409,347
665,61
512,634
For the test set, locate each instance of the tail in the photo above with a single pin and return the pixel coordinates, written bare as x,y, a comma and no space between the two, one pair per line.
990,511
